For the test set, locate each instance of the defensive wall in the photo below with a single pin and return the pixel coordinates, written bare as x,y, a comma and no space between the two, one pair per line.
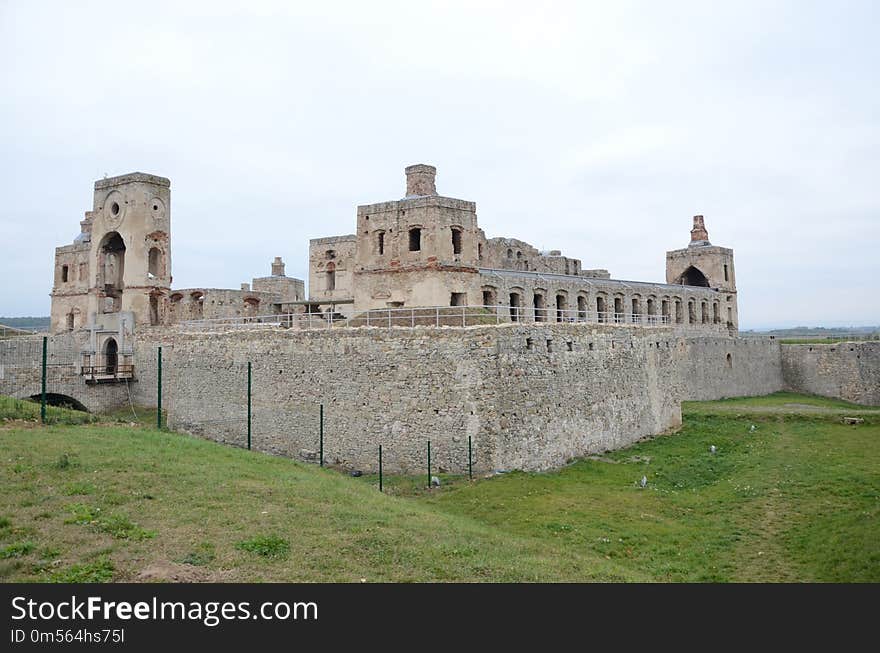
529,395
845,370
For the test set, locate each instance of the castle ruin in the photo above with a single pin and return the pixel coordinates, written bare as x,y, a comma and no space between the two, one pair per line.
560,361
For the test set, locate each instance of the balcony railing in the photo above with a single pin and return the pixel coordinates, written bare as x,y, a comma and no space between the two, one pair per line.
458,316
102,368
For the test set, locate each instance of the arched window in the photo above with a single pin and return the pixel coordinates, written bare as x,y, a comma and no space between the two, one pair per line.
331,276
415,239
716,313
251,306
618,309
111,356
509,253
582,308
154,310
197,300
70,320
561,307
154,263
515,305
111,270
490,296
456,240
601,310
540,307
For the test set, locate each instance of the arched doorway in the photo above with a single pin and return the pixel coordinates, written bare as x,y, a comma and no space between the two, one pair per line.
111,356
693,277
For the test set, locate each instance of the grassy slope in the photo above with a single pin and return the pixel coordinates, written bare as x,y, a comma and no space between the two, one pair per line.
796,499
202,499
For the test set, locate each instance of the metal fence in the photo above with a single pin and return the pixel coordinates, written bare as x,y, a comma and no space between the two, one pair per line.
227,401
55,371
439,316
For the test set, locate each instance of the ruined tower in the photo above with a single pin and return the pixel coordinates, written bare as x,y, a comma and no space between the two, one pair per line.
119,267
703,264
422,250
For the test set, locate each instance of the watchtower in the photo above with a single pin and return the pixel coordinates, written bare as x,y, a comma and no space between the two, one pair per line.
703,264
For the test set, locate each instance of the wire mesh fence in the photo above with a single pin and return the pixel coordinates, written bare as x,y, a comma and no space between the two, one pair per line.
228,401
58,371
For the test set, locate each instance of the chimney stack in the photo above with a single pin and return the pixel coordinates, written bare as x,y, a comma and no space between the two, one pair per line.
420,180
699,235
277,267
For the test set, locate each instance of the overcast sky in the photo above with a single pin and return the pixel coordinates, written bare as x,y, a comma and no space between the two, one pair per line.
595,128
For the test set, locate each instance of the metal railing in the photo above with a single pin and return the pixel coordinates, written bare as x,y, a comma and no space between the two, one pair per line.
437,316
101,367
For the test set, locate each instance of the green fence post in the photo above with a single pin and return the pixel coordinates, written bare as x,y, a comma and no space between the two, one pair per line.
429,464
43,384
470,461
159,392
249,405
321,437
380,468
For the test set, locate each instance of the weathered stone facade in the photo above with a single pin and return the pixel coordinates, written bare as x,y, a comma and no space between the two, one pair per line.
427,250
844,370
121,260
121,264
574,363
530,396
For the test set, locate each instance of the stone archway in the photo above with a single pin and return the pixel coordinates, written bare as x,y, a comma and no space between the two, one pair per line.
111,356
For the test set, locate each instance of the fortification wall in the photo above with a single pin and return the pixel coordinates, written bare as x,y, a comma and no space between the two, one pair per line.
719,367
529,396
846,370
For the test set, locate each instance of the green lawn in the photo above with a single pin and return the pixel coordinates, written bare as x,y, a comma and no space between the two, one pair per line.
794,499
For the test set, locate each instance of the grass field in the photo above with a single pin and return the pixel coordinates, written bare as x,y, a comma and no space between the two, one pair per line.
796,498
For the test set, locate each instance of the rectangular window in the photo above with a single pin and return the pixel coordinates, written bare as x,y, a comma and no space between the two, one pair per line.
64,273
456,241
415,239
458,299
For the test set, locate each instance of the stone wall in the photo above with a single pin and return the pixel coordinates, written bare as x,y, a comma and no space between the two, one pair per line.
529,396
846,370
719,367
217,303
